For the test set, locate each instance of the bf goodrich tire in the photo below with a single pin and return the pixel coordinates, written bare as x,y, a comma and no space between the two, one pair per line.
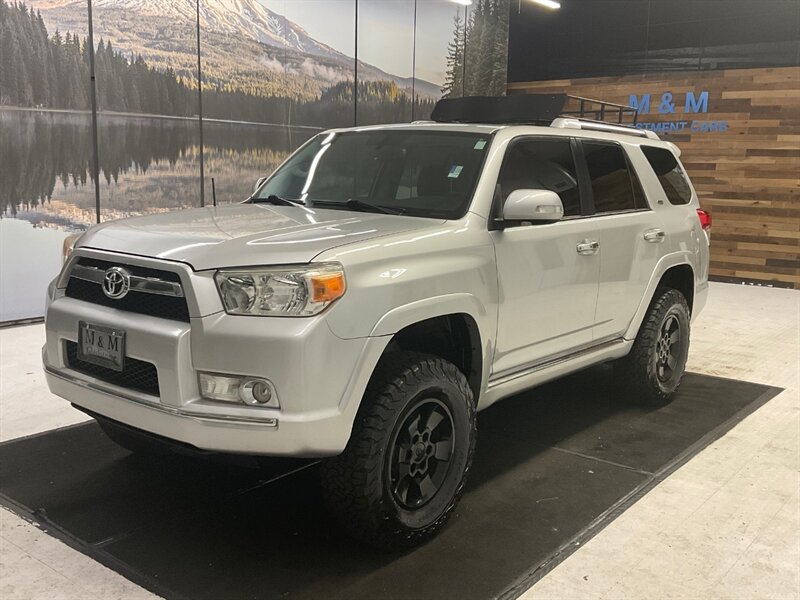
405,466
652,372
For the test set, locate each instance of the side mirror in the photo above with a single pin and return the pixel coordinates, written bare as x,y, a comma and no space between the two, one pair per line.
259,183
533,205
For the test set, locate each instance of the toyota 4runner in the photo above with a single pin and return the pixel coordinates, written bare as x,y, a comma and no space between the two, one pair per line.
377,290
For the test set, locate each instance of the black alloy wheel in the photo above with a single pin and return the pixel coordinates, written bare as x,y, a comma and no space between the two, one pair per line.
652,371
421,454
406,463
668,348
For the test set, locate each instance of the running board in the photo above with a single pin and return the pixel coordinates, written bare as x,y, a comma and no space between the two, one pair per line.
531,375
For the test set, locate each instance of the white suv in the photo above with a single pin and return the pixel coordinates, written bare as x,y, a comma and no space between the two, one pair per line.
377,290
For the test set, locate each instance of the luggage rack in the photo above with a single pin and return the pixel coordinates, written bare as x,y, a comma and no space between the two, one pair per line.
600,109
543,110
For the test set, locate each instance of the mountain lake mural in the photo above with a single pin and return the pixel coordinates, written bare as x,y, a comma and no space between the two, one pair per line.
275,72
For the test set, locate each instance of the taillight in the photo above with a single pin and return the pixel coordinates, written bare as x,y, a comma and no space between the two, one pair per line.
705,219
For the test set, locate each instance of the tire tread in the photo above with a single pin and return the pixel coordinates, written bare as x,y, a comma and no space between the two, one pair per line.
352,481
634,370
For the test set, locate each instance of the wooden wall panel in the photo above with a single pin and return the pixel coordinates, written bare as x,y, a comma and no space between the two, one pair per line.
747,176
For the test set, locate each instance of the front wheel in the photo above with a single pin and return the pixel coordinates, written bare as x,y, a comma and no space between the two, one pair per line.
405,466
653,370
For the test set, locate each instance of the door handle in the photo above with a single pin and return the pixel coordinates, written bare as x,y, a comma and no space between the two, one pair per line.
587,247
654,236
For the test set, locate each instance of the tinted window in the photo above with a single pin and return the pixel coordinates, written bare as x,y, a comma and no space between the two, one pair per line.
670,175
542,165
420,173
612,183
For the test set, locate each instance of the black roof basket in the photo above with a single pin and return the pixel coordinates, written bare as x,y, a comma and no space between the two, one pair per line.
530,109
536,109
602,111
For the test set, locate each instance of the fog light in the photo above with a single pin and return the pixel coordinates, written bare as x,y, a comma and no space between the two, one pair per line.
257,392
254,391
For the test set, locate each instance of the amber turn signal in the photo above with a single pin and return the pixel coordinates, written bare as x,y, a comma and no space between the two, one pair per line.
327,287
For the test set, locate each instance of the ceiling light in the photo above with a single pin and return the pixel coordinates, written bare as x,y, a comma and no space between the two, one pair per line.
462,2
548,3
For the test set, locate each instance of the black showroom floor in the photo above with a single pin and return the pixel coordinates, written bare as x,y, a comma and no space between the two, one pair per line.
552,467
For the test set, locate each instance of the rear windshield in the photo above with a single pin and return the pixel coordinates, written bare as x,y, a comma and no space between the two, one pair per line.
670,174
412,172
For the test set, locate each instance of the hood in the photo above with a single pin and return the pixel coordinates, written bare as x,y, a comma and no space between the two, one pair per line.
245,234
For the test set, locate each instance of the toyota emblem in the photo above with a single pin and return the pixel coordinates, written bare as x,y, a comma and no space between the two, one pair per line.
116,283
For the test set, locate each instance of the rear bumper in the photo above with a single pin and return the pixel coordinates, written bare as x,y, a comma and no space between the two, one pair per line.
319,378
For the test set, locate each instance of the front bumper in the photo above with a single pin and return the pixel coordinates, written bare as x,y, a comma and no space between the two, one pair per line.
319,377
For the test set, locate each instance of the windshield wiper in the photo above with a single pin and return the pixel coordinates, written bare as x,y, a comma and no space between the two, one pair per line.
273,199
360,205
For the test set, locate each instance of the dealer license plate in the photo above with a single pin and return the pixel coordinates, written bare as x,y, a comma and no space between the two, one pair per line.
101,346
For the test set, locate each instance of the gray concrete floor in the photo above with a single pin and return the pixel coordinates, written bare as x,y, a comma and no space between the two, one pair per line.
725,525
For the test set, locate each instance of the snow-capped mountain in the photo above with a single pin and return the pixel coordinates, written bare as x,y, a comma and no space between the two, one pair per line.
233,31
247,18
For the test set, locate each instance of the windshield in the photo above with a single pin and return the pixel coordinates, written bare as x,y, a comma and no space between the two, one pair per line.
411,172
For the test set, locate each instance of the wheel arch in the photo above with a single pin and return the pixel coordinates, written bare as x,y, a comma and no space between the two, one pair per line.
463,313
673,271
681,278
454,337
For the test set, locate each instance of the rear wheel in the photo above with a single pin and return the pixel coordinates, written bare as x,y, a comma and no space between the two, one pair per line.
405,466
652,372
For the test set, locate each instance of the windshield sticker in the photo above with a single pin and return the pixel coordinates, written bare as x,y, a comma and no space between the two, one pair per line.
455,171
480,145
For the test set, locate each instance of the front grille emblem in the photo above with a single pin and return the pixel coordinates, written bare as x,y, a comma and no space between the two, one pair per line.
116,283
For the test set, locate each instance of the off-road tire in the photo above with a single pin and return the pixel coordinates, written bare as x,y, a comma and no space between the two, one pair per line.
640,373
359,486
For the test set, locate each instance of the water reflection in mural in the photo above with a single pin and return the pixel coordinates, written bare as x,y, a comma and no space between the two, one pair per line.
280,68
147,165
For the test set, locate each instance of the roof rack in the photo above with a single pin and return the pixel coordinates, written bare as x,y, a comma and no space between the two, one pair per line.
600,109
520,109
590,125
542,109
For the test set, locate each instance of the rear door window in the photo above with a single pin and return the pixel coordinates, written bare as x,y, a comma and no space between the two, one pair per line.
670,174
614,185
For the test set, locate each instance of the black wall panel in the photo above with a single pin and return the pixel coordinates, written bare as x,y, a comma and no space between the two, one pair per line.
594,38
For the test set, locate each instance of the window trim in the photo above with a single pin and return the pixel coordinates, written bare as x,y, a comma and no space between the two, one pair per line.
680,168
496,223
631,172
636,181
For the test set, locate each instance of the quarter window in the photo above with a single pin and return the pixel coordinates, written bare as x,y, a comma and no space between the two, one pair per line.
614,186
669,173
541,165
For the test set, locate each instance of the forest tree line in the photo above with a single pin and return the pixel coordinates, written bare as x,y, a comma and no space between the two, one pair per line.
53,72
486,43
39,70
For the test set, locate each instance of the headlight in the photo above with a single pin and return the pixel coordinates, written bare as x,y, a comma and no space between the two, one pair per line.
282,291
69,246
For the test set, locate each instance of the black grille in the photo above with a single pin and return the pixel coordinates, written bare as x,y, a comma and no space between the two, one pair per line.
165,307
138,375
